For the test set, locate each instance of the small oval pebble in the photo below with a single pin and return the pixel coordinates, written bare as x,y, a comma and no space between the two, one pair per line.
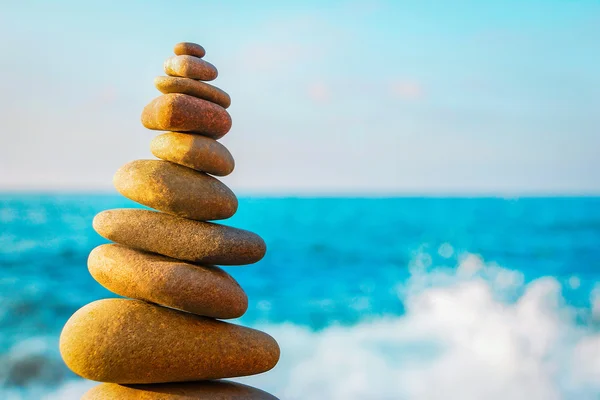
201,290
131,341
190,67
192,87
175,189
207,390
183,113
190,49
180,238
193,151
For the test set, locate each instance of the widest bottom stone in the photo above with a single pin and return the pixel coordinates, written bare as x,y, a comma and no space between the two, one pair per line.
209,390
131,341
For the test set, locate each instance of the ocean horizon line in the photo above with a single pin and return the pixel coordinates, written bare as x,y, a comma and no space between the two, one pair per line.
326,195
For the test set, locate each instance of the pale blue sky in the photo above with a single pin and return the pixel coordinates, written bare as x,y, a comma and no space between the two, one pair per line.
389,97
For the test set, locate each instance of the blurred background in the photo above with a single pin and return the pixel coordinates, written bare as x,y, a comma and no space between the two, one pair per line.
426,175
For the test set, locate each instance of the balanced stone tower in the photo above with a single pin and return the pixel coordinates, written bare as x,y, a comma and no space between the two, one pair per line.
166,340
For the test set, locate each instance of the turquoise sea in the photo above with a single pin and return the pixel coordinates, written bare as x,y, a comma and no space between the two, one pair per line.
369,298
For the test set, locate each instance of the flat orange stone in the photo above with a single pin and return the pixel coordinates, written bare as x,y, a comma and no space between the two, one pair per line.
190,49
131,341
175,189
192,87
207,390
190,67
184,239
183,113
193,151
200,290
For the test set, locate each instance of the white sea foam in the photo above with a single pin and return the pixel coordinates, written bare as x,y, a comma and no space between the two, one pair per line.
472,332
459,339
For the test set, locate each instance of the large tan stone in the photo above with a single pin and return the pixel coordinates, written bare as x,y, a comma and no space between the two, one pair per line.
192,87
175,189
183,239
190,67
193,151
131,341
201,290
182,113
207,390
190,49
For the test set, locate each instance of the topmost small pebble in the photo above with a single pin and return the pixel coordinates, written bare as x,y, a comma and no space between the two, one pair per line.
189,49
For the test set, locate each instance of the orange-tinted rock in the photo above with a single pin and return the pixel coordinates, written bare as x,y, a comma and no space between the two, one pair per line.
176,190
193,151
207,390
190,67
190,49
192,87
201,290
182,113
131,341
180,238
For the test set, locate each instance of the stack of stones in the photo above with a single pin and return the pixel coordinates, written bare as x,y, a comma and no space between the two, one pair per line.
166,341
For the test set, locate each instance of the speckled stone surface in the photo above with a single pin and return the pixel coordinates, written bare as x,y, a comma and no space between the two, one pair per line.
183,113
192,87
207,390
201,290
190,67
190,49
184,239
193,151
131,341
175,189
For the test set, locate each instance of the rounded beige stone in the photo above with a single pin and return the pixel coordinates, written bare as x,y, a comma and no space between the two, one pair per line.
175,189
190,49
207,390
193,151
201,290
183,113
190,67
180,238
131,341
192,87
